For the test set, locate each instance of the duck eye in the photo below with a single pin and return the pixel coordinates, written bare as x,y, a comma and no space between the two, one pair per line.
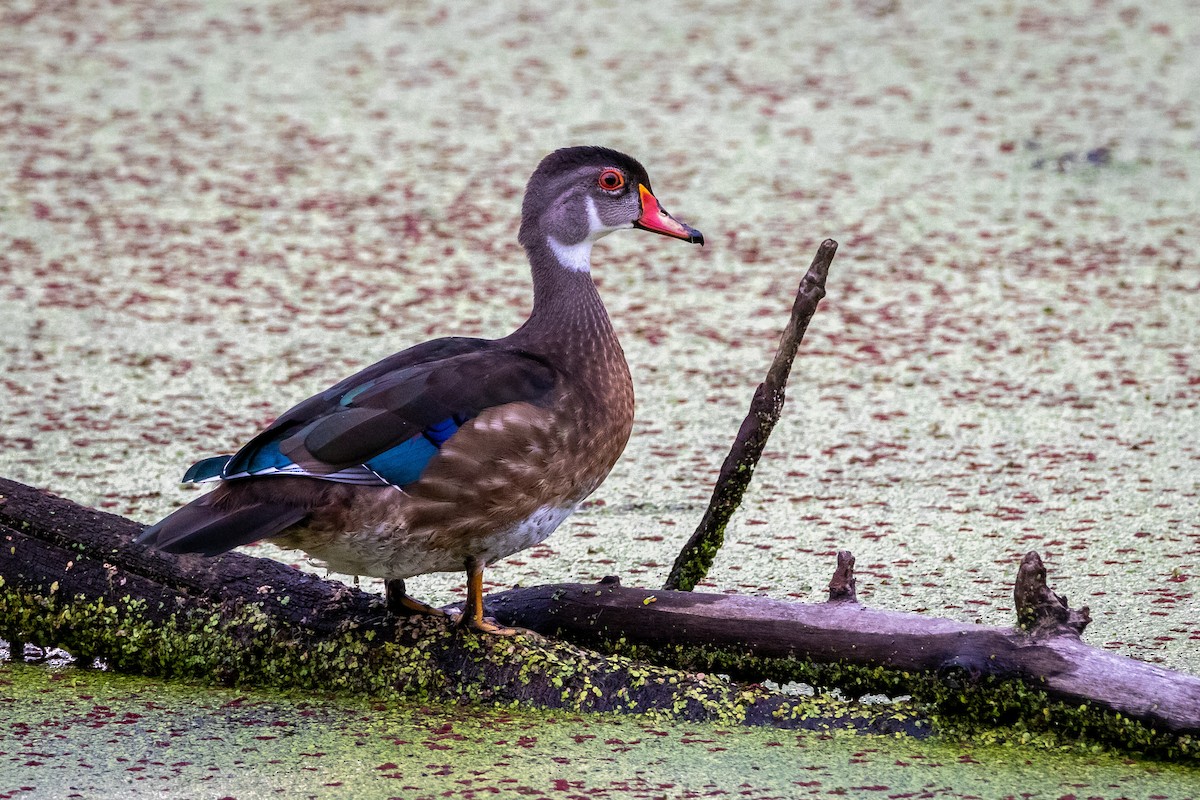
611,180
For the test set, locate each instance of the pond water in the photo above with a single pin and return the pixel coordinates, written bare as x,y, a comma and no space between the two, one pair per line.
73,733
211,210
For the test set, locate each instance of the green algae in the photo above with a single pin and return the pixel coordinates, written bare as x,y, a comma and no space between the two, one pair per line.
430,661
83,733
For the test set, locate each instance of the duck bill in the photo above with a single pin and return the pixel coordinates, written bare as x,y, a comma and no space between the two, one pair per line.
655,218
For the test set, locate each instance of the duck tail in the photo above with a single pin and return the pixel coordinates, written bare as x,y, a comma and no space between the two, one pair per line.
218,522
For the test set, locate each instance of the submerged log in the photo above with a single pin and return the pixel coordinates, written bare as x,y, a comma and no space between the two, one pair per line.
71,577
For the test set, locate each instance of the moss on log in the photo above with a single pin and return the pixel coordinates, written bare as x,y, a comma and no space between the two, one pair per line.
70,577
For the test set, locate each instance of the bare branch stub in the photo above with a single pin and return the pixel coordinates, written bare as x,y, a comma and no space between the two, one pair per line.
697,556
1040,611
841,585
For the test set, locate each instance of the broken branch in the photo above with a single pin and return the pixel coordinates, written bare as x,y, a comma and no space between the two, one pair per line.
697,555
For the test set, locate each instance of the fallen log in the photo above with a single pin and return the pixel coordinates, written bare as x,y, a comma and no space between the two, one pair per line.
71,577
1048,654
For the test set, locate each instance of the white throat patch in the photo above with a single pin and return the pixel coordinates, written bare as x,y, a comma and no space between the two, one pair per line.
578,257
575,257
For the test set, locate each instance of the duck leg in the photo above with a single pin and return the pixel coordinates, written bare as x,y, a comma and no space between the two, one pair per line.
472,616
402,604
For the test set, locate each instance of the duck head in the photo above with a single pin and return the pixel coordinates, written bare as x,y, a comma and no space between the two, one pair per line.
578,194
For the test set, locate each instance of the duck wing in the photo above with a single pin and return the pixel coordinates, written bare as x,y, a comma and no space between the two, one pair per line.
378,427
382,425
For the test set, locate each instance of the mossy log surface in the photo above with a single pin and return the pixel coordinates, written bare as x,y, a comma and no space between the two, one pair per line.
70,577
1049,655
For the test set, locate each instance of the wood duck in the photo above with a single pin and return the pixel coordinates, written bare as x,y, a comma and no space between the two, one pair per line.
459,451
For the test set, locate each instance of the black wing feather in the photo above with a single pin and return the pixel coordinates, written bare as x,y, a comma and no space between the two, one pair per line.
399,397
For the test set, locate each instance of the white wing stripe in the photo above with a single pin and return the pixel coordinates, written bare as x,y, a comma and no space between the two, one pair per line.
361,475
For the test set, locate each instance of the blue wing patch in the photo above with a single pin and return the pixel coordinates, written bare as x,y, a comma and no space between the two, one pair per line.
439,432
349,396
398,466
206,469
404,463
266,459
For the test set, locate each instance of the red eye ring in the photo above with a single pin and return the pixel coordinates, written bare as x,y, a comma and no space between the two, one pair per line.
611,179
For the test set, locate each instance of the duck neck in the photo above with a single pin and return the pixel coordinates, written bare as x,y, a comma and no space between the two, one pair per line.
568,320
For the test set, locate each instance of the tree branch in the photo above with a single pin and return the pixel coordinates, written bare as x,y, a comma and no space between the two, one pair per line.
697,555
